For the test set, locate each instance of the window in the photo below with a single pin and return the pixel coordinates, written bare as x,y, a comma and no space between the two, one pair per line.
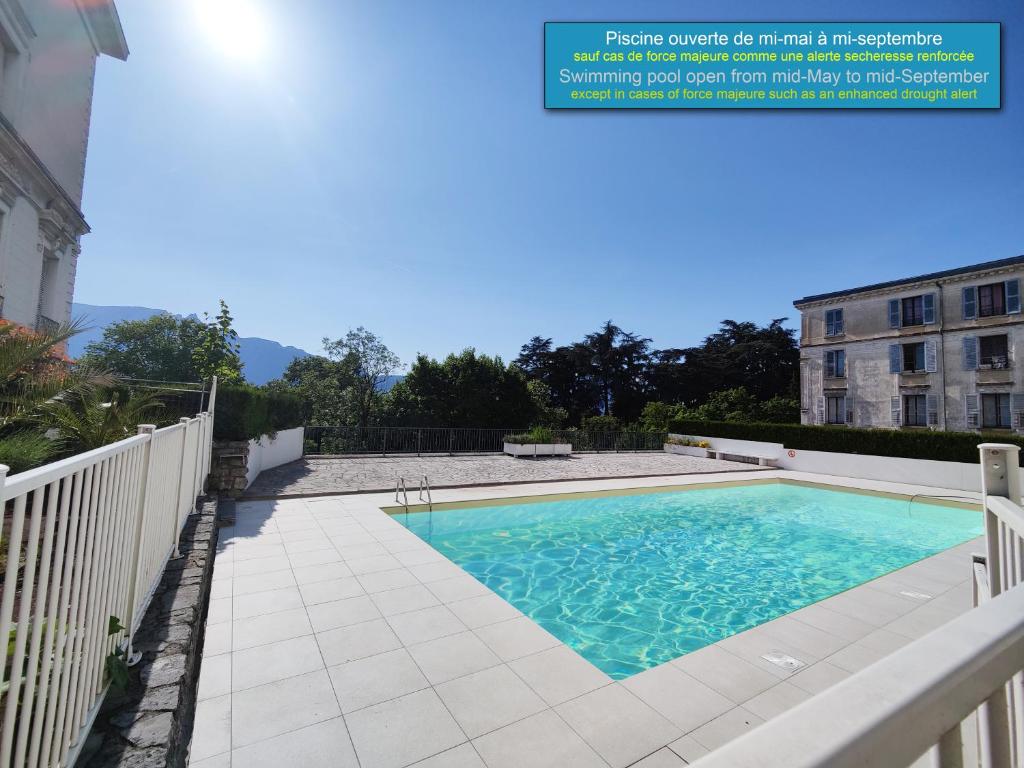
992,300
913,357
835,364
995,411
994,351
834,322
835,410
915,411
913,311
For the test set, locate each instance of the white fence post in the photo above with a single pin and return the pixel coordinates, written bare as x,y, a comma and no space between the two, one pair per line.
184,420
1000,476
140,527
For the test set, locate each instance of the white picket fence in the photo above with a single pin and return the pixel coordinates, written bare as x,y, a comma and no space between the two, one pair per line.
89,539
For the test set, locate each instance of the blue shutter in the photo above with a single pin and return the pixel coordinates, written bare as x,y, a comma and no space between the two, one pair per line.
894,313
840,363
931,356
838,322
932,407
895,412
971,408
830,364
970,303
1013,297
971,353
894,358
928,305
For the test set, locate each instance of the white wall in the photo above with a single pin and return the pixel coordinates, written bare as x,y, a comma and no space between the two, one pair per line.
937,474
267,453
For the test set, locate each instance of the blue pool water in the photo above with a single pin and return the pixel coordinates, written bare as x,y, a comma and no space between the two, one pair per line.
630,582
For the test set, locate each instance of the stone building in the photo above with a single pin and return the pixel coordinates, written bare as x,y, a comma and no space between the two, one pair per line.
48,53
937,351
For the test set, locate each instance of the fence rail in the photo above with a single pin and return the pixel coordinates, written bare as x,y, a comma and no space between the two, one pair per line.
87,539
956,694
328,440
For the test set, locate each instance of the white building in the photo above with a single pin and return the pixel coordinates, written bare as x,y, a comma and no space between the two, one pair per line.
939,351
48,52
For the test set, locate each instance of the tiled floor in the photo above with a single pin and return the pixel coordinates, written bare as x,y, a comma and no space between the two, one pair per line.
337,638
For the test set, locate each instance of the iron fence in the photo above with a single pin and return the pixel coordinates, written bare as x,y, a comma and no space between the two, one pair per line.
383,441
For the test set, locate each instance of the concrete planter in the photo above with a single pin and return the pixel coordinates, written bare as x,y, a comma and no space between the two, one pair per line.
686,450
538,449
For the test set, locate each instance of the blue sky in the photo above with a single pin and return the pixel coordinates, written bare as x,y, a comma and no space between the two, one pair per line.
389,164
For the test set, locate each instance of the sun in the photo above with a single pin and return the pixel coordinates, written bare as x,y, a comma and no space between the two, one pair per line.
237,28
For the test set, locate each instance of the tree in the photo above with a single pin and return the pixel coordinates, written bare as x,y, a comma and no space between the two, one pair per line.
168,348
217,351
32,370
325,387
464,390
372,363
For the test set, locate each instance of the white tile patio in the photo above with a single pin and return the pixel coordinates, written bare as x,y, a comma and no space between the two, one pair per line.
336,638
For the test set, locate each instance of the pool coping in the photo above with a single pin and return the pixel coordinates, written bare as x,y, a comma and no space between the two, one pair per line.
677,710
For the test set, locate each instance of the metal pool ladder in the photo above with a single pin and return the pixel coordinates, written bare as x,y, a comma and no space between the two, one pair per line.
400,488
425,483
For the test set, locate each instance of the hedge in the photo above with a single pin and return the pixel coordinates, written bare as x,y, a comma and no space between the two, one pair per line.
907,444
244,412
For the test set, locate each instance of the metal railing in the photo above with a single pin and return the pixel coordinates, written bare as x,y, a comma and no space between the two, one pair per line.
923,698
88,539
383,441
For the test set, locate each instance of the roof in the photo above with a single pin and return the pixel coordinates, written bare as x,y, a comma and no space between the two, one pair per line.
985,265
106,26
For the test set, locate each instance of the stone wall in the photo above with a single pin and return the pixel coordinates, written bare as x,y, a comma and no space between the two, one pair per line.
149,725
229,467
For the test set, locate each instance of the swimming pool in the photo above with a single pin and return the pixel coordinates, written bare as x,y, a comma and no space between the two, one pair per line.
632,581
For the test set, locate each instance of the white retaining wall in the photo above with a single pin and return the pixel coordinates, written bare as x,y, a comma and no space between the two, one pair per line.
267,453
938,474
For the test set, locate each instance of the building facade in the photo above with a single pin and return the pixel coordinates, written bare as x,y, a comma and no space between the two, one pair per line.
937,351
48,53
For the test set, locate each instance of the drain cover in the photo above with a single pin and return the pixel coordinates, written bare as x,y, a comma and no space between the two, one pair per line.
780,659
916,595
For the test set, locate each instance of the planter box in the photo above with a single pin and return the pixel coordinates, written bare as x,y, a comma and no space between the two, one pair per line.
538,449
686,450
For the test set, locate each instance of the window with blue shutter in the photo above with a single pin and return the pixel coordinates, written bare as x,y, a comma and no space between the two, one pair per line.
928,307
933,410
970,303
895,358
834,322
971,353
835,364
1013,297
894,313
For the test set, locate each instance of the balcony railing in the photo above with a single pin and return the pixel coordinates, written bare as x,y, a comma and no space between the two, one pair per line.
451,440
916,701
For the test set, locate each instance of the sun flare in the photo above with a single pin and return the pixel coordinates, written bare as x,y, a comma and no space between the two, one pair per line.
237,28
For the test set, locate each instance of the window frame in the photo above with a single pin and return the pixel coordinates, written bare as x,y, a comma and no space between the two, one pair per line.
1001,399
919,410
835,361
986,361
992,288
915,316
919,345
835,322
835,404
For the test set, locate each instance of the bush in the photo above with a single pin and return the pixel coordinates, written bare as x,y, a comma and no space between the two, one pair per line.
601,424
245,412
907,444
536,436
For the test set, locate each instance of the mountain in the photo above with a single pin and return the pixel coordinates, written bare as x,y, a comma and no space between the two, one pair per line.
262,359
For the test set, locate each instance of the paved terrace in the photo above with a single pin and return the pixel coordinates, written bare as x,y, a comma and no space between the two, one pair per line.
312,477
338,639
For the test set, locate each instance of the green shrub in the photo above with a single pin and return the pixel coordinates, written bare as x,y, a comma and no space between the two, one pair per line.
244,412
907,444
536,436
601,424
